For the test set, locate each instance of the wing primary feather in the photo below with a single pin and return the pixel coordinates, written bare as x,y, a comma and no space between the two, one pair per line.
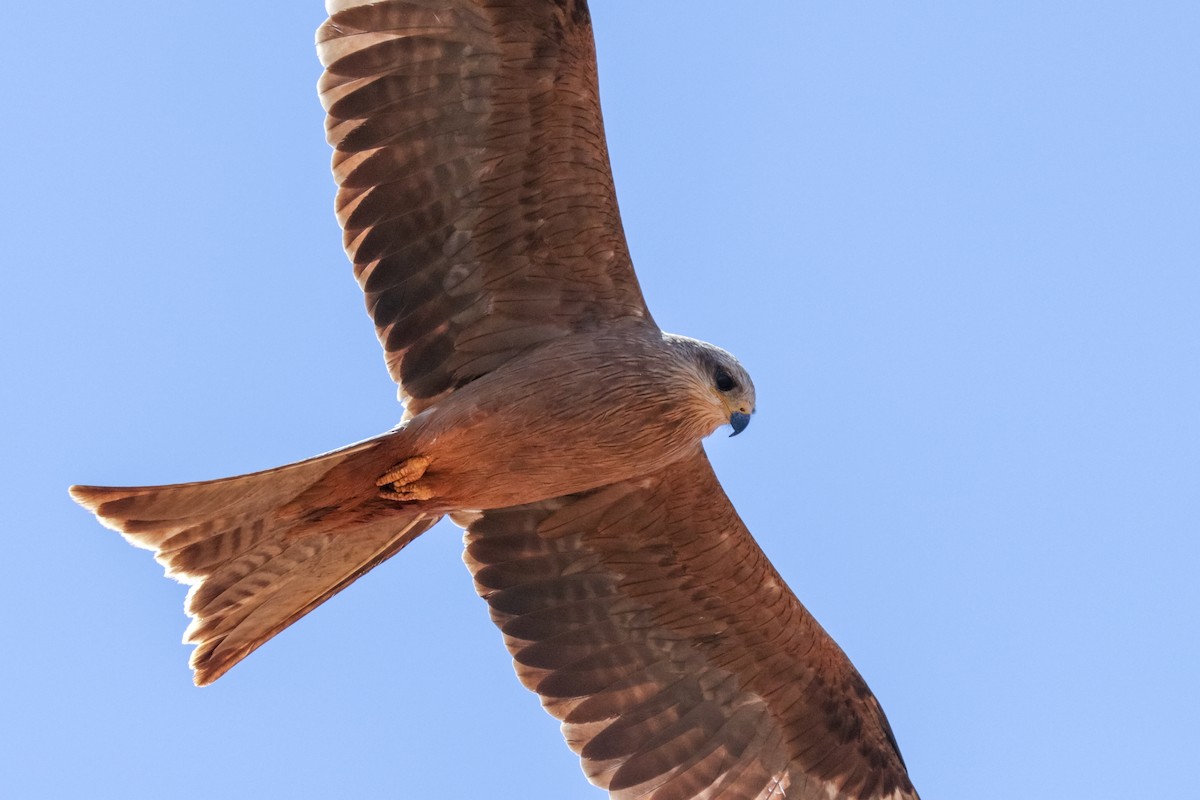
681,666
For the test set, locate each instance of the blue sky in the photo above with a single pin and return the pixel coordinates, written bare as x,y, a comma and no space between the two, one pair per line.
957,246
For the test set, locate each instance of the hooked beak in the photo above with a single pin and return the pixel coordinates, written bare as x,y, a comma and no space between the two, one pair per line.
738,421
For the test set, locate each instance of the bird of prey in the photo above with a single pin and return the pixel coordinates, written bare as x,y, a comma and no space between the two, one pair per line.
545,413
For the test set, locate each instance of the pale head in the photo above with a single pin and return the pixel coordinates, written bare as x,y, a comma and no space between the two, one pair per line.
720,385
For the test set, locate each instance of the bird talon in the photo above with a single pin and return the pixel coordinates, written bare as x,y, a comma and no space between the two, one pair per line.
409,495
400,482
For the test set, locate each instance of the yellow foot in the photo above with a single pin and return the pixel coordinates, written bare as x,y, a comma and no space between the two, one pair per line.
400,482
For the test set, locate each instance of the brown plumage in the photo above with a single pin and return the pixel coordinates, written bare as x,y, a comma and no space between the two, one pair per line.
547,414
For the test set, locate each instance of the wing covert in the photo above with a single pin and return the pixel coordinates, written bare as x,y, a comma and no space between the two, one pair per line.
474,185
677,659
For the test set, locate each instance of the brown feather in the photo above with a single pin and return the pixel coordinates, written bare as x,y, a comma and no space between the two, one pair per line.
677,658
254,565
475,188
478,210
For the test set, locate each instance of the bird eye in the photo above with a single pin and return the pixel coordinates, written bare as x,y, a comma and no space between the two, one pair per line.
724,382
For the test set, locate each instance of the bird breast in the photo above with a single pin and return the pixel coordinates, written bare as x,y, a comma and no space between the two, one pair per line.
574,414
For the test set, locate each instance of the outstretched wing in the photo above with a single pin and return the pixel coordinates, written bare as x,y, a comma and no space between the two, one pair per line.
679,662
473,180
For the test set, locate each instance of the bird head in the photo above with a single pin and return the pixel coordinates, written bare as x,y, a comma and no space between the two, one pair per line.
722,385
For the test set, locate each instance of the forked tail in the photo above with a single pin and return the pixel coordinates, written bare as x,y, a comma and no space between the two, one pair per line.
260,550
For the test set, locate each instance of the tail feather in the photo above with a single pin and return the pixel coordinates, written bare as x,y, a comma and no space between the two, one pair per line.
255,561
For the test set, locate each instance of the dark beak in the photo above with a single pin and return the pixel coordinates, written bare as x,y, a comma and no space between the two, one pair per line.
738,421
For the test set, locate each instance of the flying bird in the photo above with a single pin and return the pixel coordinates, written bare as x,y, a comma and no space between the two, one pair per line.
546,414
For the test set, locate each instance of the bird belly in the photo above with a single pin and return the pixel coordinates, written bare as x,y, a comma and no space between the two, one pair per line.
541,429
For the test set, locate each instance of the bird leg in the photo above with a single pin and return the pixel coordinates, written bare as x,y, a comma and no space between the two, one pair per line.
400,482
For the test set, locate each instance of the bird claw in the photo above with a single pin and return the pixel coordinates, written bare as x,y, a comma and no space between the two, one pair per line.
400,482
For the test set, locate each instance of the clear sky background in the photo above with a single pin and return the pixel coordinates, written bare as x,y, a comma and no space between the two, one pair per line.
956,244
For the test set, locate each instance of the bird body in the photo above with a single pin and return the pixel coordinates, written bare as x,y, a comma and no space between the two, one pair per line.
581,411
547,415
